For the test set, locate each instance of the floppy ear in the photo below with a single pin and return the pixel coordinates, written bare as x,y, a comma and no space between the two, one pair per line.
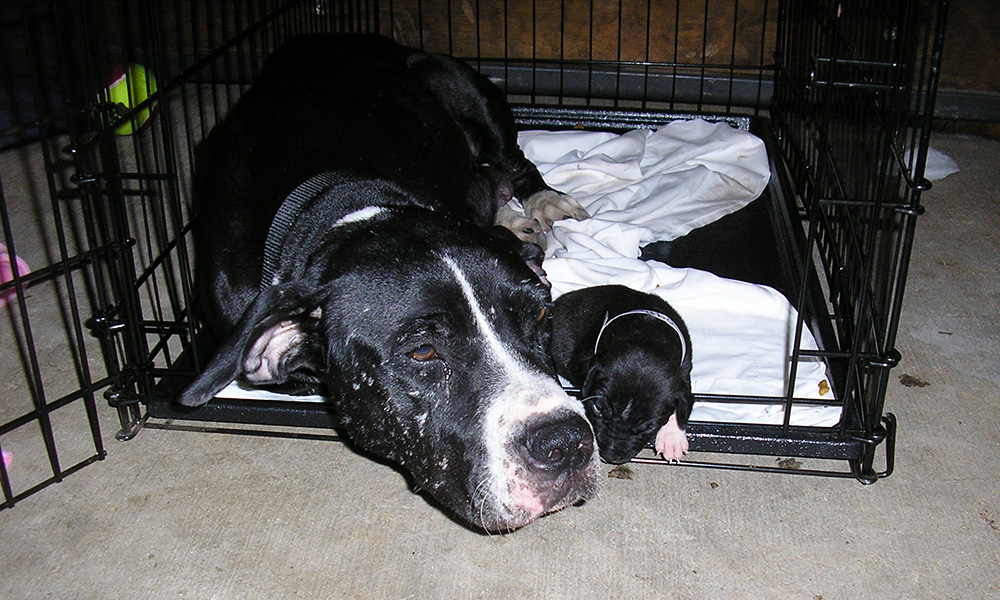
277,334
532,254
595,378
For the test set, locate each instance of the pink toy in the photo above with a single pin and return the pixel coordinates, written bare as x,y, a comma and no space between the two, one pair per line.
7,459
7,274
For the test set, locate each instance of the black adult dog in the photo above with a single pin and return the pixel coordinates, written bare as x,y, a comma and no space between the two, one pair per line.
630,355
344,240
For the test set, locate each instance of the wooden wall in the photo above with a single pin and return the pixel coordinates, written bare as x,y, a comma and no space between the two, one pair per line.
613,30
692,32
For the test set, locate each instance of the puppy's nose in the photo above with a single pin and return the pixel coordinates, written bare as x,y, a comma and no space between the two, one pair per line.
616,455
559,445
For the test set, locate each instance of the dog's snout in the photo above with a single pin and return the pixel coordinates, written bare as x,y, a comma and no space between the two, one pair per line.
617,454
560,445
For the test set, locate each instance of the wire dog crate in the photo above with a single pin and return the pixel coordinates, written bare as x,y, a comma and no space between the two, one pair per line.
94,188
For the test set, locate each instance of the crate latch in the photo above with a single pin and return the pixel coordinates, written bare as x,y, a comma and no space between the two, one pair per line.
874,75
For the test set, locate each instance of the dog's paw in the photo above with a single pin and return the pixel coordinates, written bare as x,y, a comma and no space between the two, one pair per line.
525,228
671,441
549,206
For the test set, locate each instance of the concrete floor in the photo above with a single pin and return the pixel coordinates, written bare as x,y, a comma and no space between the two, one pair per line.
186,515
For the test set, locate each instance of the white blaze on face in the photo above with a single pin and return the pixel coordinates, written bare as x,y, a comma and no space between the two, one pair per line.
533,391
521,393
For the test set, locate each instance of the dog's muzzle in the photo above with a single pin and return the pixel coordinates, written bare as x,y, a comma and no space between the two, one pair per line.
547,460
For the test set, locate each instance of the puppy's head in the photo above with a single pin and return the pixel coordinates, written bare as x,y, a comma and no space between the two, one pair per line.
629,395
433,344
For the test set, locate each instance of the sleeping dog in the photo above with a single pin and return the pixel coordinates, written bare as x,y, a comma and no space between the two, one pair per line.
345,242
630,355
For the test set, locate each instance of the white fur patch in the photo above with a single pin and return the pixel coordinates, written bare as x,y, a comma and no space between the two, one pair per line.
526,391
362,214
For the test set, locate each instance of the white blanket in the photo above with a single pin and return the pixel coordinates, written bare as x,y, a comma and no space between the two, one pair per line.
645,186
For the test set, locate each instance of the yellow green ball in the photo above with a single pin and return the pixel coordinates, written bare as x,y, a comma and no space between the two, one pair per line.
130,86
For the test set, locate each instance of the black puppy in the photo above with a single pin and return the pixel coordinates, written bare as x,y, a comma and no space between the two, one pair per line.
344,240
630,355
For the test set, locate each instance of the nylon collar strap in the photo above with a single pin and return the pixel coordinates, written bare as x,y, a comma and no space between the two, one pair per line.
648,313
287,213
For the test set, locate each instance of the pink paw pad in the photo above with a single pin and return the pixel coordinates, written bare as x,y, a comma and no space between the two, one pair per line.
671,441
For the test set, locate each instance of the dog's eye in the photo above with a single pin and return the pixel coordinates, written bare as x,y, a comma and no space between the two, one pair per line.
593,407
424,353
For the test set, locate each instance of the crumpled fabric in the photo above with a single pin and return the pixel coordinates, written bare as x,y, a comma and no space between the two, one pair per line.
644,186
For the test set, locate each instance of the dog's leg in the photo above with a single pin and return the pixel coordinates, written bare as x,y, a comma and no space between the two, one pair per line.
541,203
480,109
671,441
496,144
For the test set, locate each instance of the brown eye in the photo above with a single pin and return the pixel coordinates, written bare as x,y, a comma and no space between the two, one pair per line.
424,353
541,314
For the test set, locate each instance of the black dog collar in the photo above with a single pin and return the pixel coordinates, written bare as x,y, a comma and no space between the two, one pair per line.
648,313
287,213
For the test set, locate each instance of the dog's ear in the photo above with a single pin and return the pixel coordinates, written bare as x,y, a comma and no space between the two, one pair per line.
532,254
278,333
595,379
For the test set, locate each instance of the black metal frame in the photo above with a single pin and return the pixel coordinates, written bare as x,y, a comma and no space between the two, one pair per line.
841,92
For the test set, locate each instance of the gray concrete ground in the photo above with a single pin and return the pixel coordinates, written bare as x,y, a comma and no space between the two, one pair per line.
186,515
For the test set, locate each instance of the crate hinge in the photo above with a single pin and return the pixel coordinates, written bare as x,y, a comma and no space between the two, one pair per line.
889,360
863,470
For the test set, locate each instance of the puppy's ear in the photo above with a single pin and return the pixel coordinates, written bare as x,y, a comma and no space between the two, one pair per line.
595,380
278,333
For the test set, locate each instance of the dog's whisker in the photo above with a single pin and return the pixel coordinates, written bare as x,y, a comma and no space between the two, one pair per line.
480,496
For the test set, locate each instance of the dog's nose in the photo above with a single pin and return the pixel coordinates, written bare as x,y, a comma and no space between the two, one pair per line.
559,445
616,455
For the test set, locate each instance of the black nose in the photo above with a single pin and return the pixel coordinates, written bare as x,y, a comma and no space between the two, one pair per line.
560,445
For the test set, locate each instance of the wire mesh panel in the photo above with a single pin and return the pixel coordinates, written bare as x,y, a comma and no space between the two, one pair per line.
101,107
853,106
50,260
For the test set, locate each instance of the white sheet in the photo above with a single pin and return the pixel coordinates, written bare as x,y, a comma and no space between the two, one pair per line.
664,183
645,186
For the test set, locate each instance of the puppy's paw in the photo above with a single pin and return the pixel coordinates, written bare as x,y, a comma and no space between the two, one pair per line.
671,441
549,206
525,228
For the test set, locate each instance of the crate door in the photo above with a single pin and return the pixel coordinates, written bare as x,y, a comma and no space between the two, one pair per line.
54,260
854,98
